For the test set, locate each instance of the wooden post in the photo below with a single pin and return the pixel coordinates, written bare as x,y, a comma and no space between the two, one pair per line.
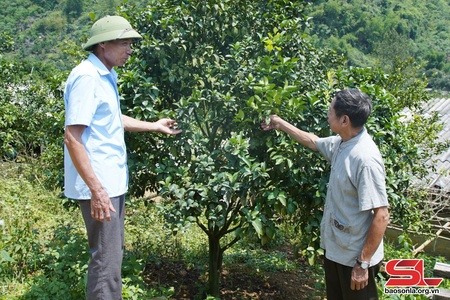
442,270
427,242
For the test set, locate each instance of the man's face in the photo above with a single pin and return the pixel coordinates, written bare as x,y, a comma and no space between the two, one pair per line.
333,120
116,53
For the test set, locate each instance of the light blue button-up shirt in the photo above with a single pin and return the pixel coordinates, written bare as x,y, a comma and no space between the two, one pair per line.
357,186
91,98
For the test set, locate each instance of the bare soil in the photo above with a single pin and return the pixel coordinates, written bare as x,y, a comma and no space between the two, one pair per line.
238,281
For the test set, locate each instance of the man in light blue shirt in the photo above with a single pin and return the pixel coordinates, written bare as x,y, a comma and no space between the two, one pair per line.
95,161
356,208
91,101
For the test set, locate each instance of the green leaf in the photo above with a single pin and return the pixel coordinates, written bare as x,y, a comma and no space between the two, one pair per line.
257,224
5,257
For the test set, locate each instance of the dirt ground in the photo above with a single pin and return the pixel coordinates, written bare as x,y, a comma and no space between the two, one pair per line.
238,282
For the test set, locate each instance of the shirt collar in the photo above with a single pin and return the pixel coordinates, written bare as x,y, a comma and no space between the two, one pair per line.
102,70
355,139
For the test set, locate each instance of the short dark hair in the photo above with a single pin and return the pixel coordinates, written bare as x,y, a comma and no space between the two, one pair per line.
355,104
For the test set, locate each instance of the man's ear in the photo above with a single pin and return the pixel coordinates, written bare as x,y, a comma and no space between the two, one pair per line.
345,120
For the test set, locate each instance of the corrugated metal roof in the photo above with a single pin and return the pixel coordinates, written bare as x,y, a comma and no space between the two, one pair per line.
441,177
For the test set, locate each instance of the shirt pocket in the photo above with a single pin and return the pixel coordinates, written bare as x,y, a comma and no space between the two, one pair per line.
340,233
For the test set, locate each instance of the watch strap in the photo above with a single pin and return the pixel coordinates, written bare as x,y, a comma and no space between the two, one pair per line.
363,264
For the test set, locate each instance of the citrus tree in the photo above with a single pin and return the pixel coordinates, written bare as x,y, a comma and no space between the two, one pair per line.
219,68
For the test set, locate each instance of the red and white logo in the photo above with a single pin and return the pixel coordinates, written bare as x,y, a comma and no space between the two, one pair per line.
409,273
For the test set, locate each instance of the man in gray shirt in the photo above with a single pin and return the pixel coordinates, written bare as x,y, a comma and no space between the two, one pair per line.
356,207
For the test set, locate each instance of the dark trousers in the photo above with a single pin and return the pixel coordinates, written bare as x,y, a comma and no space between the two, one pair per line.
338,280
106,242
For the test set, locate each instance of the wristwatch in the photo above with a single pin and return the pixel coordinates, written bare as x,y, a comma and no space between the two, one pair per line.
364,264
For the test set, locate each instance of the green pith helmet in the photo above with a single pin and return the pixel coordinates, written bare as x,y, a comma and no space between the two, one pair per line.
110,28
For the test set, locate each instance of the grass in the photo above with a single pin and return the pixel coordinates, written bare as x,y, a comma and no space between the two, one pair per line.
44,251
44,255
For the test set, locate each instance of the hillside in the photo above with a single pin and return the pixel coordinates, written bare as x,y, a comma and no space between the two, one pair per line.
43,31
377,32
368,33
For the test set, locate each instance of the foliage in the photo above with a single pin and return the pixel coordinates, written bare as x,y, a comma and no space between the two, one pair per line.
44,255
41,28
6,42
371,33
219,74
21,102
33,243
43,246
31,117
361,30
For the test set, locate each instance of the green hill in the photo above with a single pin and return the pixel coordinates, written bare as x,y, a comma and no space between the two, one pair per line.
376,32
42,29
368,33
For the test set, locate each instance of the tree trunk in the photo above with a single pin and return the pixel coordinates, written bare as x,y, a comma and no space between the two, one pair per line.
215,265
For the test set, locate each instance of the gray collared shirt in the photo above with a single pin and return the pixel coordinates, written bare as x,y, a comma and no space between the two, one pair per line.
356,186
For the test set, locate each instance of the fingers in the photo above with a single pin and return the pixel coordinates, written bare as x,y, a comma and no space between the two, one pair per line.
171,123
111,207
168,122
107,215
98,215
175,131
266,126
107,211
172,131
167,126
101,210
358,285
269,123
359,279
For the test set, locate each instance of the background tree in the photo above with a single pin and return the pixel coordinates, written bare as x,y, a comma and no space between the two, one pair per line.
361,30
354,28
6,42
393,47
32,116
72,9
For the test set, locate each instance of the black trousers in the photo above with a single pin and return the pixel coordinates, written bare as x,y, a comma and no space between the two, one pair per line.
338,280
